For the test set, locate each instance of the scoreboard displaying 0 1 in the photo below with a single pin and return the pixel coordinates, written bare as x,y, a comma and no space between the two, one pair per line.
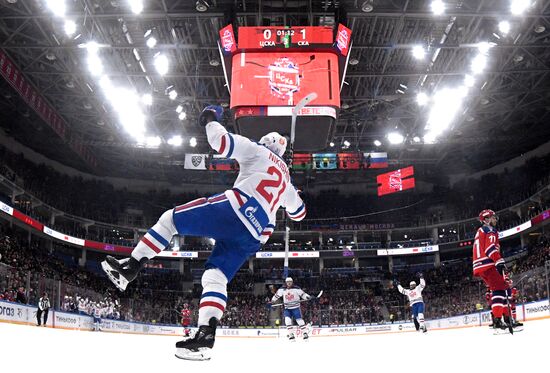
285,37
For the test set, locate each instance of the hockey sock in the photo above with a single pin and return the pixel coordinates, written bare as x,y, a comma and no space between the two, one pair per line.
214,295
288,322
498,298
157,238
421,320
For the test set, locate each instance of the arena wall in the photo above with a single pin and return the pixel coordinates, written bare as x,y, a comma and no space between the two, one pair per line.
26,315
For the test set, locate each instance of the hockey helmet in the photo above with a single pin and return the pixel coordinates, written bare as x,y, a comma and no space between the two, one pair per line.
412,284
275,142
486,214
288,279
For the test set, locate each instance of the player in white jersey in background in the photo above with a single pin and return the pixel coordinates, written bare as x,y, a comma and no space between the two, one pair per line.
414,293
292,296
239,219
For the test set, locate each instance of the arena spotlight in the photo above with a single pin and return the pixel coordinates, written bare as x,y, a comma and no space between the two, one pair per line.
57,7
347,144
69,27
377,143
161,63
478,64
153,141
192,142
367,6
175,141
416,139
395,138
136,6
422,99
504,27
147,99
518,7
179,109
438,7
484,47
469,81
151,42
182,115
331,144
201,6
418,52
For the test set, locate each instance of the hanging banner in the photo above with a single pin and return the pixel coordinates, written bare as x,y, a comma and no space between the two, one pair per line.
195,161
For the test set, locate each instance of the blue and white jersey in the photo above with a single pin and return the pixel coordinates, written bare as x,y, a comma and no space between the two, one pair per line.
263,184
291,296
414,295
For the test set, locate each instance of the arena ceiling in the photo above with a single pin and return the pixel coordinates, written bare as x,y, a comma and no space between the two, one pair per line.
504,115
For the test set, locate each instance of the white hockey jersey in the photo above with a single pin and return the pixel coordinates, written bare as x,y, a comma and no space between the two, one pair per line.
291,297
414,295
263,177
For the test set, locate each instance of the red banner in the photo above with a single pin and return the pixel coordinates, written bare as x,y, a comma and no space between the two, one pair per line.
15,78
283,79
395,181
108,247
343,39
350,161
227,38
28,220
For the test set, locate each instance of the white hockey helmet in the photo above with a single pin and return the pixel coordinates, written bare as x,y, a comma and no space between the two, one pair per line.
288,279
412,284
275,142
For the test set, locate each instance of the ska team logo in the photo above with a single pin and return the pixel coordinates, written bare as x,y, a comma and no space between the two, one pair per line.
284,78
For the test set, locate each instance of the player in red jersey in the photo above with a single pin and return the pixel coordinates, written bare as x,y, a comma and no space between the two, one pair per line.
514,297
186,319
489,265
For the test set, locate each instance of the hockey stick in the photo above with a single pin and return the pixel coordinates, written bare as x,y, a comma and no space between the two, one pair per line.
510,326
295,110
302,300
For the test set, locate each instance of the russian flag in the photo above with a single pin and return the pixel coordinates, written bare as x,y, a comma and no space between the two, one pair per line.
377,160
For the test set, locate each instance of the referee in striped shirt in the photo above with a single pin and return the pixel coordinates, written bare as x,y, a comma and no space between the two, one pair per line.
43,308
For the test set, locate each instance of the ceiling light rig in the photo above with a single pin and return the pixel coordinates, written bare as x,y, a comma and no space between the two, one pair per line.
438,7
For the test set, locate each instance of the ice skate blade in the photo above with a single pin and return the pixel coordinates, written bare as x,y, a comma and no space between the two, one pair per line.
506,331
119,282
202,354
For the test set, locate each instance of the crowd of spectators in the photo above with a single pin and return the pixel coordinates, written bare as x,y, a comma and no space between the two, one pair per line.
98,200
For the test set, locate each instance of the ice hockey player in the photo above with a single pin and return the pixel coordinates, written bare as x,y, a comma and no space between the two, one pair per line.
239,220
489,265
96,314
186,320
414,293
513,296
292,296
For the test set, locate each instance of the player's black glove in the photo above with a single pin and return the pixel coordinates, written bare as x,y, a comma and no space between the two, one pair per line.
420,274
396,282
209,114
501,267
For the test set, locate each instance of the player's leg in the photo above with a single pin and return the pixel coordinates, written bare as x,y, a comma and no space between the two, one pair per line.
46,316
414,310
420,313
121,272
289,325
222,265
301,323
498,295
38,317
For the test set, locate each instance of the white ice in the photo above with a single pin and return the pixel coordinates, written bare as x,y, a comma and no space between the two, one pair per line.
34,349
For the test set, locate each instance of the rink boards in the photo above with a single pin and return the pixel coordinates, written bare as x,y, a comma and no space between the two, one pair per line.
21,314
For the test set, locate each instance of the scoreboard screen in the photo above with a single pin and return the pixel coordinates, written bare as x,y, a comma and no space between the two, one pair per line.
283,78
285,37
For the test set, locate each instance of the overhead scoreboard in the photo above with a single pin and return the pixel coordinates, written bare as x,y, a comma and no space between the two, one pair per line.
270,69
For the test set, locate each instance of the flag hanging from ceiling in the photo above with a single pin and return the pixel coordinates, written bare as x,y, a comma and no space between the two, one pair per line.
195,161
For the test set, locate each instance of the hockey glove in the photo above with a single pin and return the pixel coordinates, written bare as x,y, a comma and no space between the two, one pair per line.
420,274
396,282
209,114
501,267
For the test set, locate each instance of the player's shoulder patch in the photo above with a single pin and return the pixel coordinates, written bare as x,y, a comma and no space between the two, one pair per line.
486,229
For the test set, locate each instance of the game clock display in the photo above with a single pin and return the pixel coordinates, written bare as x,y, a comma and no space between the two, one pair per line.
285,37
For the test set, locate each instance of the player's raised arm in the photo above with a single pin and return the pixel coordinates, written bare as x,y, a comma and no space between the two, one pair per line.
295,207
277,295
422,281
226,144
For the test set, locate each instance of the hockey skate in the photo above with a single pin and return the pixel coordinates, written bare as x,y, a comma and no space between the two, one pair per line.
291,337
424,329
121,272
499,327
200,346
305,337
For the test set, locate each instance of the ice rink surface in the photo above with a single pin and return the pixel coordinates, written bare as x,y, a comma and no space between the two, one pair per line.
33,349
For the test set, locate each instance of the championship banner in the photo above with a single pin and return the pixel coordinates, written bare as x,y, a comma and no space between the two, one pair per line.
227,37
343,39
301,161
349,161
195,161
325,161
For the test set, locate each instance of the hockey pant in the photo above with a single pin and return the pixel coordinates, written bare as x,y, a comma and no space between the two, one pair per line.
418,314
499,288
39,313
296,314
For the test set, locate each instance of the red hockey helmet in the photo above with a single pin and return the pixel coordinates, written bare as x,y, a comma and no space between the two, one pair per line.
485,214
